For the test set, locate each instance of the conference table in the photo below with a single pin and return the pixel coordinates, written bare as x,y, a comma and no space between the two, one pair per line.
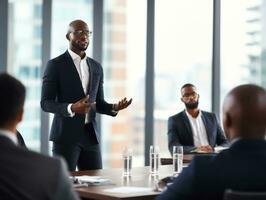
140,184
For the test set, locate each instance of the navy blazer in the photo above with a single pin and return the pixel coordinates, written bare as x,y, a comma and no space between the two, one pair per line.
27,175
241,168
62,86
180,131
20,139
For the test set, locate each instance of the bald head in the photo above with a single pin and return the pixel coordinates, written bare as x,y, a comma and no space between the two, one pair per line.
76,25
244,112
78,36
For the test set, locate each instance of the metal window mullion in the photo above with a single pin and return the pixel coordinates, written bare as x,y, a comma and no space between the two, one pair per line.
216,83
3,35
46,54
149,79
98,40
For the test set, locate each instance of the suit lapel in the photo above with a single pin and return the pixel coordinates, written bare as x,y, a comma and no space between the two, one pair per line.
189,133
207,128
94,79
73,70
89,88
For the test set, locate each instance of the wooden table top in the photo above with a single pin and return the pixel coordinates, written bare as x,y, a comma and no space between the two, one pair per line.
140,178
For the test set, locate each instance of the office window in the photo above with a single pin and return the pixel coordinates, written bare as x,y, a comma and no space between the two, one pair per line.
63,12
243,44
24,62
183,54
124,51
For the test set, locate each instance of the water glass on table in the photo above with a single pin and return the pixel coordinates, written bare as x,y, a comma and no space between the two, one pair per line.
154,160
177,159
127,161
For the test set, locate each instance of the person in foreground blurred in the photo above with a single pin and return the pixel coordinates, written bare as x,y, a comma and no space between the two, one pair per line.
194,129
20,139
242,166
26,175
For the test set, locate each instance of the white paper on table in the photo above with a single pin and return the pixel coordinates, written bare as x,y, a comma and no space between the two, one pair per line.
219,149
92,180
126,190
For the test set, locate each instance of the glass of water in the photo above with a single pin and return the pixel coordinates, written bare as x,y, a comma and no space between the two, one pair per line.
127,161
177,159
154,160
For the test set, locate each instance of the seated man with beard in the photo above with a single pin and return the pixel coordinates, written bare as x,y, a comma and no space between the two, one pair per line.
194,129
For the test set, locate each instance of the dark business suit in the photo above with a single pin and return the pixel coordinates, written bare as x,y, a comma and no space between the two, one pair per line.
62,86
241,168
21,141
180,131
26,175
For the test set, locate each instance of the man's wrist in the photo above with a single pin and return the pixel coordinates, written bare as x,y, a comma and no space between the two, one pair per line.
70,112
114,109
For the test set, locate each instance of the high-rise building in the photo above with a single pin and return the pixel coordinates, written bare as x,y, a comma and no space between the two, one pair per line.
123,65
24,61
256,44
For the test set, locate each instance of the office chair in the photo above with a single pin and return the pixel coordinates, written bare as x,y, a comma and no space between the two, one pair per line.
241,195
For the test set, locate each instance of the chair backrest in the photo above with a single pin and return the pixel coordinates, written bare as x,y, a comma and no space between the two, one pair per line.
240,195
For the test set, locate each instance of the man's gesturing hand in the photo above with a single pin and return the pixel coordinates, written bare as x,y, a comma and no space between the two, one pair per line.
82,106
124,103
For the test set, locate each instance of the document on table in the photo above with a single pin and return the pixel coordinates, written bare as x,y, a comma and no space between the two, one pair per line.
218,149
126,190
90,180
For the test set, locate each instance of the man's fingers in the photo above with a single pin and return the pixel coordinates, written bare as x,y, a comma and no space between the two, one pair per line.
129,102
92,104
87,109
85,99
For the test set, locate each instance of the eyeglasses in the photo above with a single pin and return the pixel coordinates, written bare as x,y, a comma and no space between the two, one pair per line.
188,95
82,32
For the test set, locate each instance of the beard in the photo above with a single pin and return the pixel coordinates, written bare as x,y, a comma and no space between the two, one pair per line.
80,46
192,105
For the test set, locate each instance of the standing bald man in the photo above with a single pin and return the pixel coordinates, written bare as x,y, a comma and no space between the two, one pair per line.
242,166
73,90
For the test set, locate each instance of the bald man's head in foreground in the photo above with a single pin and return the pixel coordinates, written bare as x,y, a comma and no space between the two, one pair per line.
244,112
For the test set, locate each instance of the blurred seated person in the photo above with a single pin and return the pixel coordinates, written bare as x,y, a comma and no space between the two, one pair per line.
20,139
194,129
26,175
242,166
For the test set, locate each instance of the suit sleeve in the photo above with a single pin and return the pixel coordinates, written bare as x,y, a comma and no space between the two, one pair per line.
182,188
173,137
101,105
50,83
220,139
195,181
64,188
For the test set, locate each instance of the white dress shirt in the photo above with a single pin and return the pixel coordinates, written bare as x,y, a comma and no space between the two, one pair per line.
84,75
82,68
198,130
12,136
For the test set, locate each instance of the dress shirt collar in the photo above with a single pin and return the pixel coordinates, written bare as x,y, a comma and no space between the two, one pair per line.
190,117
234,140
12,136
75,56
